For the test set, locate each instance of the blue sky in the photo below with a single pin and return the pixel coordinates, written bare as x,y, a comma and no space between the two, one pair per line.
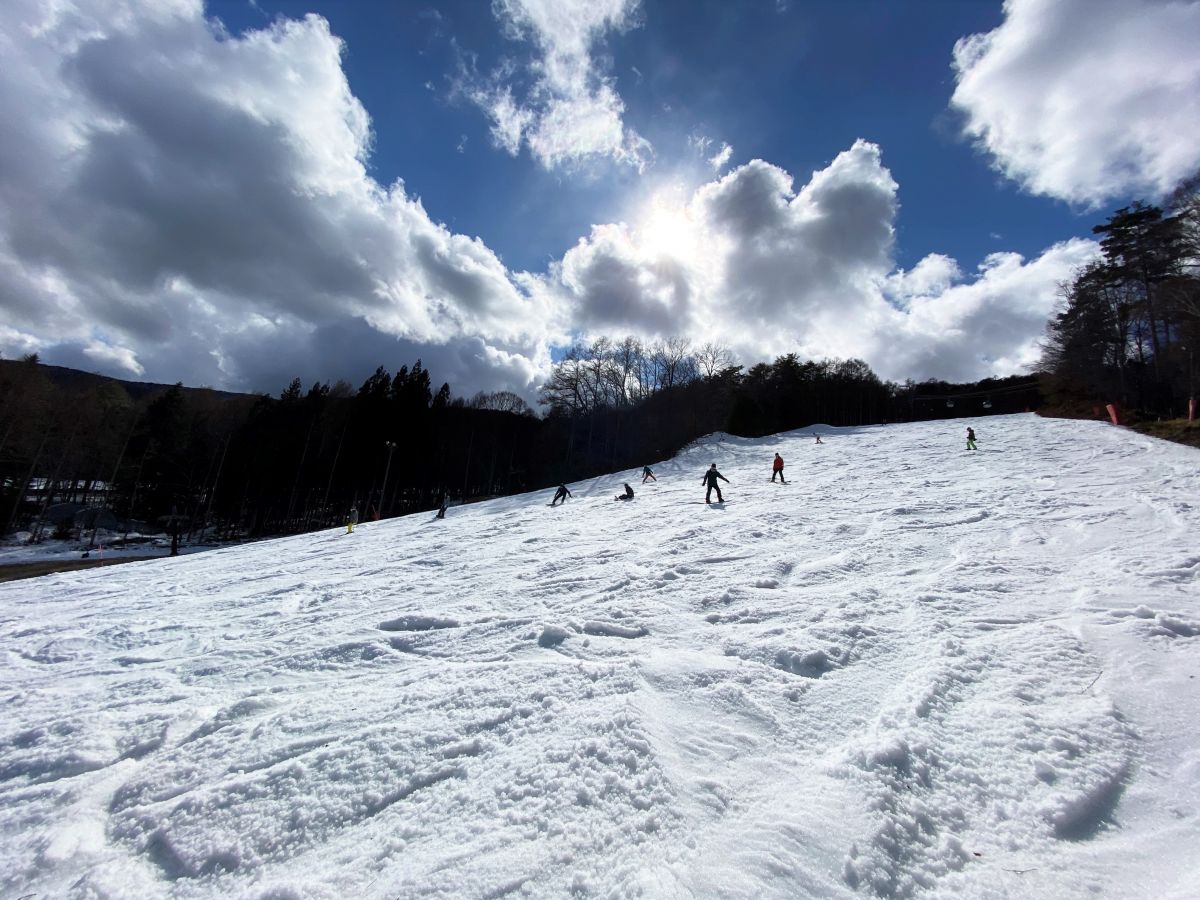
236,193
794,86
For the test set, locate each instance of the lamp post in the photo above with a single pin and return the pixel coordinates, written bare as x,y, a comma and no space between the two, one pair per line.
391,448
1191,387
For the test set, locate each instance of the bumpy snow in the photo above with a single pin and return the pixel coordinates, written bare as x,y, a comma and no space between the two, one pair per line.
913,670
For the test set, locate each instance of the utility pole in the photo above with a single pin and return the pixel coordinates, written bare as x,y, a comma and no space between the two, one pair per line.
391,448
1191,386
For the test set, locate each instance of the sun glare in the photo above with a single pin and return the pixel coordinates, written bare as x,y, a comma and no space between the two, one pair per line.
665,229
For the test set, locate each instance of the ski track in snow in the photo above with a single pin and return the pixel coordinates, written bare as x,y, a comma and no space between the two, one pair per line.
913,671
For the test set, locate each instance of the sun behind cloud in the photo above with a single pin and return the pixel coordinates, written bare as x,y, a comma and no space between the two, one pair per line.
664,227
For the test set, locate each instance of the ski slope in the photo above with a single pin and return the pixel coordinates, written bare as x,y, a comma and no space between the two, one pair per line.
913,670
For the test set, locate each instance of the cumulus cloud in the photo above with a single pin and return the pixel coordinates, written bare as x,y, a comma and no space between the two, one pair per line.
177,202
957,328
751,262
1086,100
570,110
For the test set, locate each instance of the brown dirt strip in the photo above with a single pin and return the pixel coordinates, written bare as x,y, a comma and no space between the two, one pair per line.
17,571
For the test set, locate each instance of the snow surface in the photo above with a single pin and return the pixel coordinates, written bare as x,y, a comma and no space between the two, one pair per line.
19,550
914,670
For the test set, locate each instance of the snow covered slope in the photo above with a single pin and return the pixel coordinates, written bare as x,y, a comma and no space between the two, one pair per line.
912,670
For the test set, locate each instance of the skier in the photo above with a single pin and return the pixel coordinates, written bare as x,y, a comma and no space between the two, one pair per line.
628,495
352,519
777,469
561,494
971,439
443,502
646,473
710,479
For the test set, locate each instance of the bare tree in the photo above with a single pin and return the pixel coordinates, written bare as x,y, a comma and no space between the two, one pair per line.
626,357
677,363
501,401
565,391
714,358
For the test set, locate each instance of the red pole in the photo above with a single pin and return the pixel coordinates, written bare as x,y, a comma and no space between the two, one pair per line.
1113,413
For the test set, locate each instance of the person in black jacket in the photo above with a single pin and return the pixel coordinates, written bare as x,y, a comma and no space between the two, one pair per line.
710,479
561,494
628,495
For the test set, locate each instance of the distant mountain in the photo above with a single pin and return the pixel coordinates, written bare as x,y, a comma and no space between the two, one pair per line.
76,379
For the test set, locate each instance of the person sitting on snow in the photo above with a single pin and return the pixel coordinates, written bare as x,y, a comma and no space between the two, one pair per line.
628,495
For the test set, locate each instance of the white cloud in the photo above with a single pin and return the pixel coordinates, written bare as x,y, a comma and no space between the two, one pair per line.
571,111
930,277
717,159
750,262
991,324
1086,100
721,158
108,356
181,203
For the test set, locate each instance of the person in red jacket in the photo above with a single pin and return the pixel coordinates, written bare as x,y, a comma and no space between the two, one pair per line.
777,468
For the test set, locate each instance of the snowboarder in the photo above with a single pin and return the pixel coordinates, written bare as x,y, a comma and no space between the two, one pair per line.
628,495
819,441
352,519
646,473
971,439
561,494
710,479
777,469
443,502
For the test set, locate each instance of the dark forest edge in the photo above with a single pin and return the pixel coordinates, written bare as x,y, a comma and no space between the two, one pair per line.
1128,326
80,452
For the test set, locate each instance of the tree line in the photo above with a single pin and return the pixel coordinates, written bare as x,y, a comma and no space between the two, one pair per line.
233,465
616,403
220,465
1127,329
